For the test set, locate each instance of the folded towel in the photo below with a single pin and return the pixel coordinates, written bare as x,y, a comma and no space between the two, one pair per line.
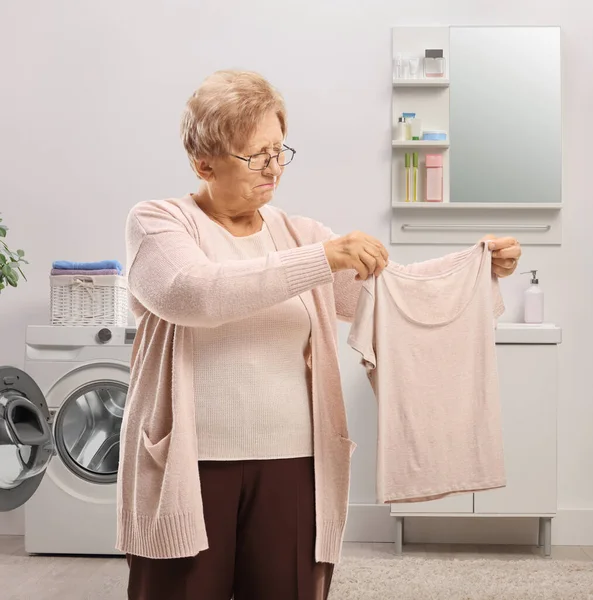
88,266
83,272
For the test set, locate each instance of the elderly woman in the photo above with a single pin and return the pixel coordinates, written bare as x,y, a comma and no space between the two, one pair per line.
234,469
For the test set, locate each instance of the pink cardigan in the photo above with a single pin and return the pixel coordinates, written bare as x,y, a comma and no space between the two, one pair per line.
177,286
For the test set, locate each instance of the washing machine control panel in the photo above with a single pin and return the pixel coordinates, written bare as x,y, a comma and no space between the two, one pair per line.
106,335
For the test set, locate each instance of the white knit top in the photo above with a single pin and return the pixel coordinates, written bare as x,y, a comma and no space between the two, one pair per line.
252,381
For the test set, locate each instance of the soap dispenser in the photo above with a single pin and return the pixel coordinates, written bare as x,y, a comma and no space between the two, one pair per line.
534,300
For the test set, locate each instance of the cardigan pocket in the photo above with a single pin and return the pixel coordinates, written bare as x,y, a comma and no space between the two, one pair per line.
349,443
159,450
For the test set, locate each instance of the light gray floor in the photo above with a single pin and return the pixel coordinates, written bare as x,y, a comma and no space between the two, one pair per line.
25,577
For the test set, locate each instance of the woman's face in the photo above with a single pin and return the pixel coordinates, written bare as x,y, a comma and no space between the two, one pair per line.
235,182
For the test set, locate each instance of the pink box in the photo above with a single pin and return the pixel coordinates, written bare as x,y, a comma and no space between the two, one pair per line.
434,178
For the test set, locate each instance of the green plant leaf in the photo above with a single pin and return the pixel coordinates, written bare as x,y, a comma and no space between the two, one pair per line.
11,276
10,262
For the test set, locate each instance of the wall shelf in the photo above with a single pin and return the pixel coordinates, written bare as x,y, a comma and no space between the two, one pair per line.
420,83
534,206
428,144
462,223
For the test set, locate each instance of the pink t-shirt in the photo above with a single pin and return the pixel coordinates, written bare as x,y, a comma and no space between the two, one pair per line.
428,344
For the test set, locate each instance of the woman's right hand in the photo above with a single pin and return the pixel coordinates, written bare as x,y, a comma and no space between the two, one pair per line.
358,251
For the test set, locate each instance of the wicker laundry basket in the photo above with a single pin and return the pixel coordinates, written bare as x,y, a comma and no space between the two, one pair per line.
89,300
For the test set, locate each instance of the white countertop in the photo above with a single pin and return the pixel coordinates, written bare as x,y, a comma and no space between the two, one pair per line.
523,333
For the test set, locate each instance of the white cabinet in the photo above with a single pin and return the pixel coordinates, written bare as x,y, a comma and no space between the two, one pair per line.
527,366
527,375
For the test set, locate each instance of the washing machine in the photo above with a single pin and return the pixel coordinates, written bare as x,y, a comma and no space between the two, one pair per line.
60,421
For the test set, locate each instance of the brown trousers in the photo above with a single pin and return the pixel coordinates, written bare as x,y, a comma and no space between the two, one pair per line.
260,520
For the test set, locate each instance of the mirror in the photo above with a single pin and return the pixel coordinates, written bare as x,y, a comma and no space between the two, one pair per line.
505,114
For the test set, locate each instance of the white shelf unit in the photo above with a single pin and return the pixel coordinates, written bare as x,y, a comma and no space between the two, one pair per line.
429,99
416,144
436,82
534,206
463,223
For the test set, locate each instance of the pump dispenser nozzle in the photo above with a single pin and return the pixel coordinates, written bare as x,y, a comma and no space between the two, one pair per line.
534,278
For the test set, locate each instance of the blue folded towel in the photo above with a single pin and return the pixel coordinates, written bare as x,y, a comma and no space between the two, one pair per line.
88,266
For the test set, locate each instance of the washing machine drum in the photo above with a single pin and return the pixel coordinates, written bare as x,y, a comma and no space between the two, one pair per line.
26,441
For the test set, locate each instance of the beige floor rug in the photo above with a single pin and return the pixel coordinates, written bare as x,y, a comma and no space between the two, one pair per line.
398,578
408,578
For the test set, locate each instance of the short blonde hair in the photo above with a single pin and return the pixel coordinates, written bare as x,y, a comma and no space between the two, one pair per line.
224,111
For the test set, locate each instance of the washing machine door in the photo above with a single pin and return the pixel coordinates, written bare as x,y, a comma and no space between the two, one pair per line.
26,439
87,424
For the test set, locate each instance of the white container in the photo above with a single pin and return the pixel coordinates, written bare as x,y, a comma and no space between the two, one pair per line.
433,190
400,130
414,67
405,67
408,118
534,301
434,63
416,129
401,66
88,300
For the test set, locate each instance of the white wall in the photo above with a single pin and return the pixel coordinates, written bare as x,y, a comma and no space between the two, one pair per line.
92,94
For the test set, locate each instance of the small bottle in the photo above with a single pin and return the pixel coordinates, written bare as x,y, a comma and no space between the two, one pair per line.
434,63
416,128
534,300
408,177
415,177
398,67
405,67
433,191
408,117
414,67
400,130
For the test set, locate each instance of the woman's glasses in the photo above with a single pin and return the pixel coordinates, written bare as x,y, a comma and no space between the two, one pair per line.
260,161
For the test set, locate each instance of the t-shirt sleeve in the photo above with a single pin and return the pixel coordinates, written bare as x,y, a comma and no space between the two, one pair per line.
498,307
362,332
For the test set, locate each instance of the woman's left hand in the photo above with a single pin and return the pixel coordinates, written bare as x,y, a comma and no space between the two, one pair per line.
506,253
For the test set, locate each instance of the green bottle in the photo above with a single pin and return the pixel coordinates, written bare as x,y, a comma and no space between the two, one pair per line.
407,174
415,176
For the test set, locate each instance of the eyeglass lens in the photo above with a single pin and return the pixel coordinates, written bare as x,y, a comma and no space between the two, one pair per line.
260,161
